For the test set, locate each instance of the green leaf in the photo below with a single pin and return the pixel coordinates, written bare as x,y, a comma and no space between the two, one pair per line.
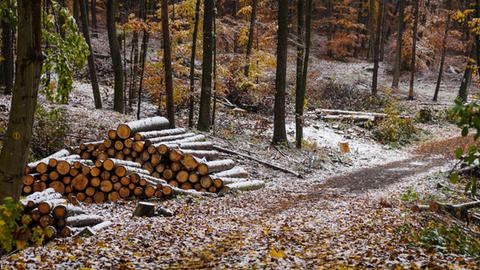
465,131
458,153
454,178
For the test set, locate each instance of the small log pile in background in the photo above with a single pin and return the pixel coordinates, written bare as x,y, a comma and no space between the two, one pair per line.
141,159
49,215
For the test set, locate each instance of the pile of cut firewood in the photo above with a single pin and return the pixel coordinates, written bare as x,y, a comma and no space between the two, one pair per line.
88,181
141,159
48,214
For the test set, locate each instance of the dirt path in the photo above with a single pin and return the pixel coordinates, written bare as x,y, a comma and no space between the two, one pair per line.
330,225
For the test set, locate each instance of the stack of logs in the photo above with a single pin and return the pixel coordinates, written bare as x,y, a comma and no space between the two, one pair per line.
89,181
47,214
141,159
181,158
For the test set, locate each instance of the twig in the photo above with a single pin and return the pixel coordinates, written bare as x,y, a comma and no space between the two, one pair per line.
224,150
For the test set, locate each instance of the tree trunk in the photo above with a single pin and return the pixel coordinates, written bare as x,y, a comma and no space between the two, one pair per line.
76,11
192,64
91,59
414,51
467,75
7,53
384,36
442,59
144,49
94,18
116,56
253,19
279,132
214,109
398,50
134,70
371,28
300,95
167,61
376,49
19,132
207,65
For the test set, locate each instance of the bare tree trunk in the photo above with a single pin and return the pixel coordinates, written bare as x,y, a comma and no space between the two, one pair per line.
253,19
300,96
414,51
371,27
76,11
116,56
7,52
214,109
384,36
167,62
133,70
279,132
398,50
467,75
444,50
206,93
376,51
91,58
192,64
24,100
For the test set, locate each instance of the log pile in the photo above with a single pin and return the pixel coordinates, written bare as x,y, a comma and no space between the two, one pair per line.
87,181
140,159
48,214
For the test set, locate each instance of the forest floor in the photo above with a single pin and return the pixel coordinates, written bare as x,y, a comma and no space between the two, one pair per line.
349,210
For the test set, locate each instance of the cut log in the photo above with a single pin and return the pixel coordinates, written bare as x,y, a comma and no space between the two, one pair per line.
63,167
224,150
59,186
101,226
206,146
144,209
119,162
165,212
45,207
139,136
459,211
170,138
29,179
209,155
126,130
83,220
215,166
235,172
174,143
80,182
247,185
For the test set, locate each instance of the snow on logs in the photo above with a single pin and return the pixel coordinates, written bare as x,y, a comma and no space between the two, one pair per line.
140,159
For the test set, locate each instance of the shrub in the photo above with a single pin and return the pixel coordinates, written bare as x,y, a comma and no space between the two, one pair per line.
394,128
49,131
334,95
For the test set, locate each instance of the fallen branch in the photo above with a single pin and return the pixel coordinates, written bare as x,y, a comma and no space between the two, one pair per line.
224,150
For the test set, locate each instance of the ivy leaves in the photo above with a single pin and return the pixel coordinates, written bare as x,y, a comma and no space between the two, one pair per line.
64,53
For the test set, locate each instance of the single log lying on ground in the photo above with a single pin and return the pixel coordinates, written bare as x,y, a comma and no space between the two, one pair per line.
224,150
247,185
459,211
126,130
144,209
209,155
83,220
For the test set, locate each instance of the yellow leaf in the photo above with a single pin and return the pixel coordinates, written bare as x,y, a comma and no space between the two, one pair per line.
277,254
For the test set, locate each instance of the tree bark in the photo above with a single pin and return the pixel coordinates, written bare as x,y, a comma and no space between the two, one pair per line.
279,132
116,56
167,62
371,27
398,50
442,59
143,56
467,75
376,49
299,97
91,58
214,109
253,20
384,36
414,51
19,132
207,66
192,64
7,53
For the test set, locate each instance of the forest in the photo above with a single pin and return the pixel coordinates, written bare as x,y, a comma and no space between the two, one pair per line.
239,134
